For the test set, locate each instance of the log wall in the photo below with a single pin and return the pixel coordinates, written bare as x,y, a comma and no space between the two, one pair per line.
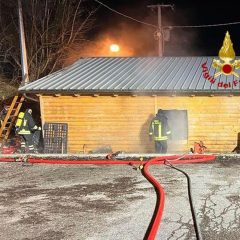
122,122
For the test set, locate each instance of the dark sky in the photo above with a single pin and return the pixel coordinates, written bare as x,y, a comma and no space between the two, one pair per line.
183,41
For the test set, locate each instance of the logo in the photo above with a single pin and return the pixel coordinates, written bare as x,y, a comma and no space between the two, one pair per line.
225,65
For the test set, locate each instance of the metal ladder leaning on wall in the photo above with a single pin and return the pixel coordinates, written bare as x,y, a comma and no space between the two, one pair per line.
11,117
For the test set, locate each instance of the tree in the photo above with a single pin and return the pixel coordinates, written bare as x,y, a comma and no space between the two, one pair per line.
52,27
6,90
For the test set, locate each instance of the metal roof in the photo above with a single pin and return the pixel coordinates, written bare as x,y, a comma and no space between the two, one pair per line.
135,75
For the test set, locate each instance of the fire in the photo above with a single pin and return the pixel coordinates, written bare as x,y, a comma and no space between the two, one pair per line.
114,48
104,46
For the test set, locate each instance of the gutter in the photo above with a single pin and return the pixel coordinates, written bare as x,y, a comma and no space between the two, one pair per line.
30,98
65,92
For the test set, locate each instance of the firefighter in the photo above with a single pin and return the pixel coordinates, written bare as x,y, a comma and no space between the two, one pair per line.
26,131
159,131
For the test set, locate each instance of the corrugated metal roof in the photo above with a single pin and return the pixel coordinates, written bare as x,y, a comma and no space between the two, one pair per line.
135,74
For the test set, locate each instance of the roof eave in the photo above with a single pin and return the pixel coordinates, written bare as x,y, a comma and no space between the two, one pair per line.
136,92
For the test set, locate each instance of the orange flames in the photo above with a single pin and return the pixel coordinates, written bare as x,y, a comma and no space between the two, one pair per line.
102,47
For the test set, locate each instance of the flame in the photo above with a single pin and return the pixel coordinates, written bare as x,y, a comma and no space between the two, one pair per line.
106,48
99,48
227,52
114,48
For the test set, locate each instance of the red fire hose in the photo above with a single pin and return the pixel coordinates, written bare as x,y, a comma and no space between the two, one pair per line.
156,219
185,159
173,159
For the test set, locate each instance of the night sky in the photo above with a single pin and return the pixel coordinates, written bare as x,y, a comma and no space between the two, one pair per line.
183,41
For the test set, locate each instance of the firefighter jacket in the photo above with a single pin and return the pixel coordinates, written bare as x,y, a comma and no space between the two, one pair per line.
159,128
28,124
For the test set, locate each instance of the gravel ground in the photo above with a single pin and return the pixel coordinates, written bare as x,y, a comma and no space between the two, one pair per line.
94,202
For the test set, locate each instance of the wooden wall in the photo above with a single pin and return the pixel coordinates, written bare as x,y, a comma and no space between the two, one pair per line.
122,121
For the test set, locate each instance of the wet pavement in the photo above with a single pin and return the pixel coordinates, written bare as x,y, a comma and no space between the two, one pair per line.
96,202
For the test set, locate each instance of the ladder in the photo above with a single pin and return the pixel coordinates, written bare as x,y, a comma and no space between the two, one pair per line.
11,117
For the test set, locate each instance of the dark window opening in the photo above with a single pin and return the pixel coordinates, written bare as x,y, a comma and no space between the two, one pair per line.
178,123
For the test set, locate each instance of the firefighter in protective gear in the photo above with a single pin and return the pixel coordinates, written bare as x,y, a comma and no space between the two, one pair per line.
26,131
159,131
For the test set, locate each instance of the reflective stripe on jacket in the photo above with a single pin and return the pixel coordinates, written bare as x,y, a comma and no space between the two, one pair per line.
28,124
158,131
24,129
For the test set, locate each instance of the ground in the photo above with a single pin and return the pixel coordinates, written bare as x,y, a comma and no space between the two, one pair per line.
96,202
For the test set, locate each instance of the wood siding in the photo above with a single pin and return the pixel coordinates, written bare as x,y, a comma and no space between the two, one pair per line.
122,122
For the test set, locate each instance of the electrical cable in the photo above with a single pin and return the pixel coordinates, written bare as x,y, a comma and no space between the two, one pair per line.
193,211
126,16
169,26
204,25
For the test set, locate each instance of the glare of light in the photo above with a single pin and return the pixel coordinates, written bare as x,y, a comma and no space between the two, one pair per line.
114,48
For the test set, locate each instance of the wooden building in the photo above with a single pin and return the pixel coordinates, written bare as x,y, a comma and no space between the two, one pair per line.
111,101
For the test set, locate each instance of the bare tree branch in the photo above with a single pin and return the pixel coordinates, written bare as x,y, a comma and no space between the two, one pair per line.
51,27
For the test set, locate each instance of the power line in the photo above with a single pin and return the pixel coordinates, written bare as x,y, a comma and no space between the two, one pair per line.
169,26
126,16
203,26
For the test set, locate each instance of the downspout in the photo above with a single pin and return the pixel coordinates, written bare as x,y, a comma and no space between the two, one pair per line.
30,98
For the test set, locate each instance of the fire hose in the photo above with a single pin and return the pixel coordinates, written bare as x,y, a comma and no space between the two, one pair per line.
167,160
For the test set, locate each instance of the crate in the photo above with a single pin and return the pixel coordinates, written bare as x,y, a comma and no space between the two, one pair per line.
55,137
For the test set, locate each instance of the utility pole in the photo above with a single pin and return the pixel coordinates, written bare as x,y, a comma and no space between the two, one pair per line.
25,75
160,33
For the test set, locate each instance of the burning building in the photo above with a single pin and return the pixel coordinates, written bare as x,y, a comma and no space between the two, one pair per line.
111,101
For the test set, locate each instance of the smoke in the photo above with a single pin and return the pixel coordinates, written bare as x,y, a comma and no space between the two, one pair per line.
137,39
133,41
182,41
